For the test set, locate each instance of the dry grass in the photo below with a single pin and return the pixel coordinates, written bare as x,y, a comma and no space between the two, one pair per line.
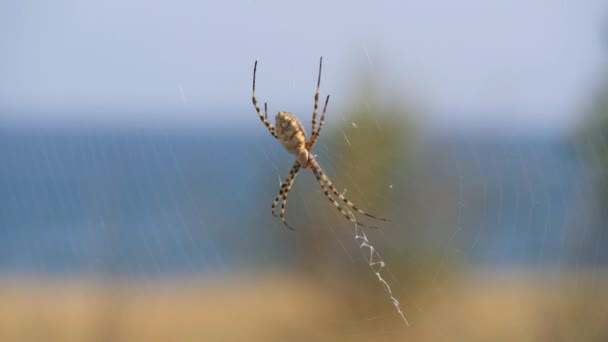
293,308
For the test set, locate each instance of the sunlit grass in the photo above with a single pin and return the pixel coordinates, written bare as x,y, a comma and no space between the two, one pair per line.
506,307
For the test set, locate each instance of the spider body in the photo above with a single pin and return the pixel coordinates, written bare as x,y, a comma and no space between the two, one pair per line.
291,134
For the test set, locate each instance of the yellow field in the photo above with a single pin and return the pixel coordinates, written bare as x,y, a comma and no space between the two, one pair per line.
294,308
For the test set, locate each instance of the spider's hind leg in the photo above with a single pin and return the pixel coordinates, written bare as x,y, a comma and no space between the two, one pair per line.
282,213
287,184
316,170
326,183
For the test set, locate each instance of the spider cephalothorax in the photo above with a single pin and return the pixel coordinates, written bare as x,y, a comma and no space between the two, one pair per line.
291,134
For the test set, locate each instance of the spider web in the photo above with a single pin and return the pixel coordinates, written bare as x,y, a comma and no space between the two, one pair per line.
533,199
136,179
135,205
377,265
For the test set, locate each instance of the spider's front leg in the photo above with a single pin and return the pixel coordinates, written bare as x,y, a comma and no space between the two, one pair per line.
314,135
316,105
264,118
316,132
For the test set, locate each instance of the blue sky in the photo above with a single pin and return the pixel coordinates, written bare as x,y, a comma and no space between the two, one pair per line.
528,62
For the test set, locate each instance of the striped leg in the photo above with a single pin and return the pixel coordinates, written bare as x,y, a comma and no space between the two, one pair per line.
316,170
316,107
315,134
330,185
264,118
285,187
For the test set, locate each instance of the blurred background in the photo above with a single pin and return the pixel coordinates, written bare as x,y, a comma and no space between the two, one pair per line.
136,178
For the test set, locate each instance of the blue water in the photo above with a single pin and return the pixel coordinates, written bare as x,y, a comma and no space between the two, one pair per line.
136,201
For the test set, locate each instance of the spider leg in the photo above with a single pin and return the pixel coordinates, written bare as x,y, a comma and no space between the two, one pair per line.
316,106
282,213
330,185
265,110
316,170
287,184
264,118
315,134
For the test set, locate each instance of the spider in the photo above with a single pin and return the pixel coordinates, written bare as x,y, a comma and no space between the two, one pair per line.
291,134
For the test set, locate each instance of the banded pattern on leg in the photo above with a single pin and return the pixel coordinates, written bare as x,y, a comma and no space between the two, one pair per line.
315,134
335,191
285,187
316,170
264,118
316,105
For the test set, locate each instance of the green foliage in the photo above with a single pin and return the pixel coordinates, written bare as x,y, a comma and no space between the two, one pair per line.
374,141
594,138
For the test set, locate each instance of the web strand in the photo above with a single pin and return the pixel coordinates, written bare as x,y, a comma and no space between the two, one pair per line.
377,264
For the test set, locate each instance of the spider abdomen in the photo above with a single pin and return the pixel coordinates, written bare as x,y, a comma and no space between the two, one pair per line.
292,136
290,132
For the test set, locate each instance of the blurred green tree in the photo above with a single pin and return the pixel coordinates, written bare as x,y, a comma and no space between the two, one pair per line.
371,146
594,138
